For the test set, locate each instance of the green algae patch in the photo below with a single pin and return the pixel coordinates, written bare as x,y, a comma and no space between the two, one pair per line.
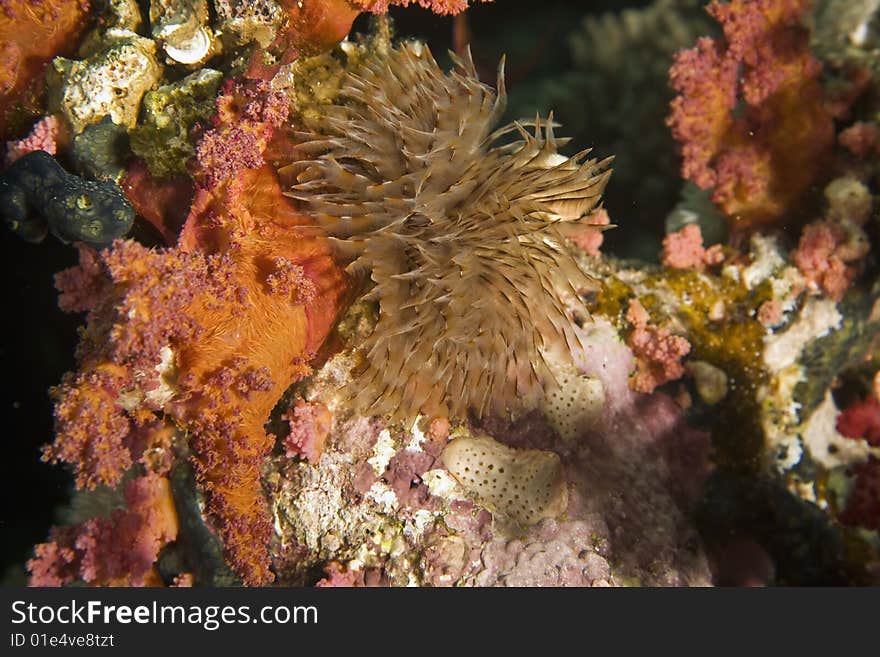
612,299
718,315
162,137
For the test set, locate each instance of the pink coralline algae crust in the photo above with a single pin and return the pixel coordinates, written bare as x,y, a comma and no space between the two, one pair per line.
44,136
118,550
442,7
340,577
684,249
658,353
861,420
310,425
827,255
633,476
760,160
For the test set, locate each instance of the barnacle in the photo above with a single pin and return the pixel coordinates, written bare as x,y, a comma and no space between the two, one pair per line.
462,233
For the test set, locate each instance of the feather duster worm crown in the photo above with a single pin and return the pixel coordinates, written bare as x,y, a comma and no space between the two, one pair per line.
462,234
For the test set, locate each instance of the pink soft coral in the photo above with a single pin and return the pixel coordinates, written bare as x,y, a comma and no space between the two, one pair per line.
44,136
310,425
761,161
862,138
117,550
827,256
658,353
442,7
247,114
684,249
589,233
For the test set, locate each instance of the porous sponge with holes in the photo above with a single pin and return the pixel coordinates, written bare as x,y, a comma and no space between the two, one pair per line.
576,403
523,485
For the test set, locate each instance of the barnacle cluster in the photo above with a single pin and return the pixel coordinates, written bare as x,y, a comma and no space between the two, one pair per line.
462,233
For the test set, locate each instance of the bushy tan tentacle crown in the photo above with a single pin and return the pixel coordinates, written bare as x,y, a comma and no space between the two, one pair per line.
459,231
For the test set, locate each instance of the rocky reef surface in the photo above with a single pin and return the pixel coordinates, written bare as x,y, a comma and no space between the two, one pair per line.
353,317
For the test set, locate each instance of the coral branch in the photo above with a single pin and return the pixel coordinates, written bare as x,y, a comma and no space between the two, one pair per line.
761,162
658,353
118,550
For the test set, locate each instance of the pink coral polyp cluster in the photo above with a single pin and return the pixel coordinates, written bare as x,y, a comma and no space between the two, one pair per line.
759,160
658,352
44,136
442,7
247,115
828,254
684,249
118,550
310,425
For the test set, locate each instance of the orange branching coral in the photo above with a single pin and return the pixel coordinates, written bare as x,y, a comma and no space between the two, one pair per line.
761,158
460,234
32,32
118,550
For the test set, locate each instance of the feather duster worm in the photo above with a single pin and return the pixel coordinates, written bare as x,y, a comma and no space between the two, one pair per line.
463,234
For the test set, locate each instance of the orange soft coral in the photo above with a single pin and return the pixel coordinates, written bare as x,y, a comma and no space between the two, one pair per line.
761,161
210,332
32,32
253,351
